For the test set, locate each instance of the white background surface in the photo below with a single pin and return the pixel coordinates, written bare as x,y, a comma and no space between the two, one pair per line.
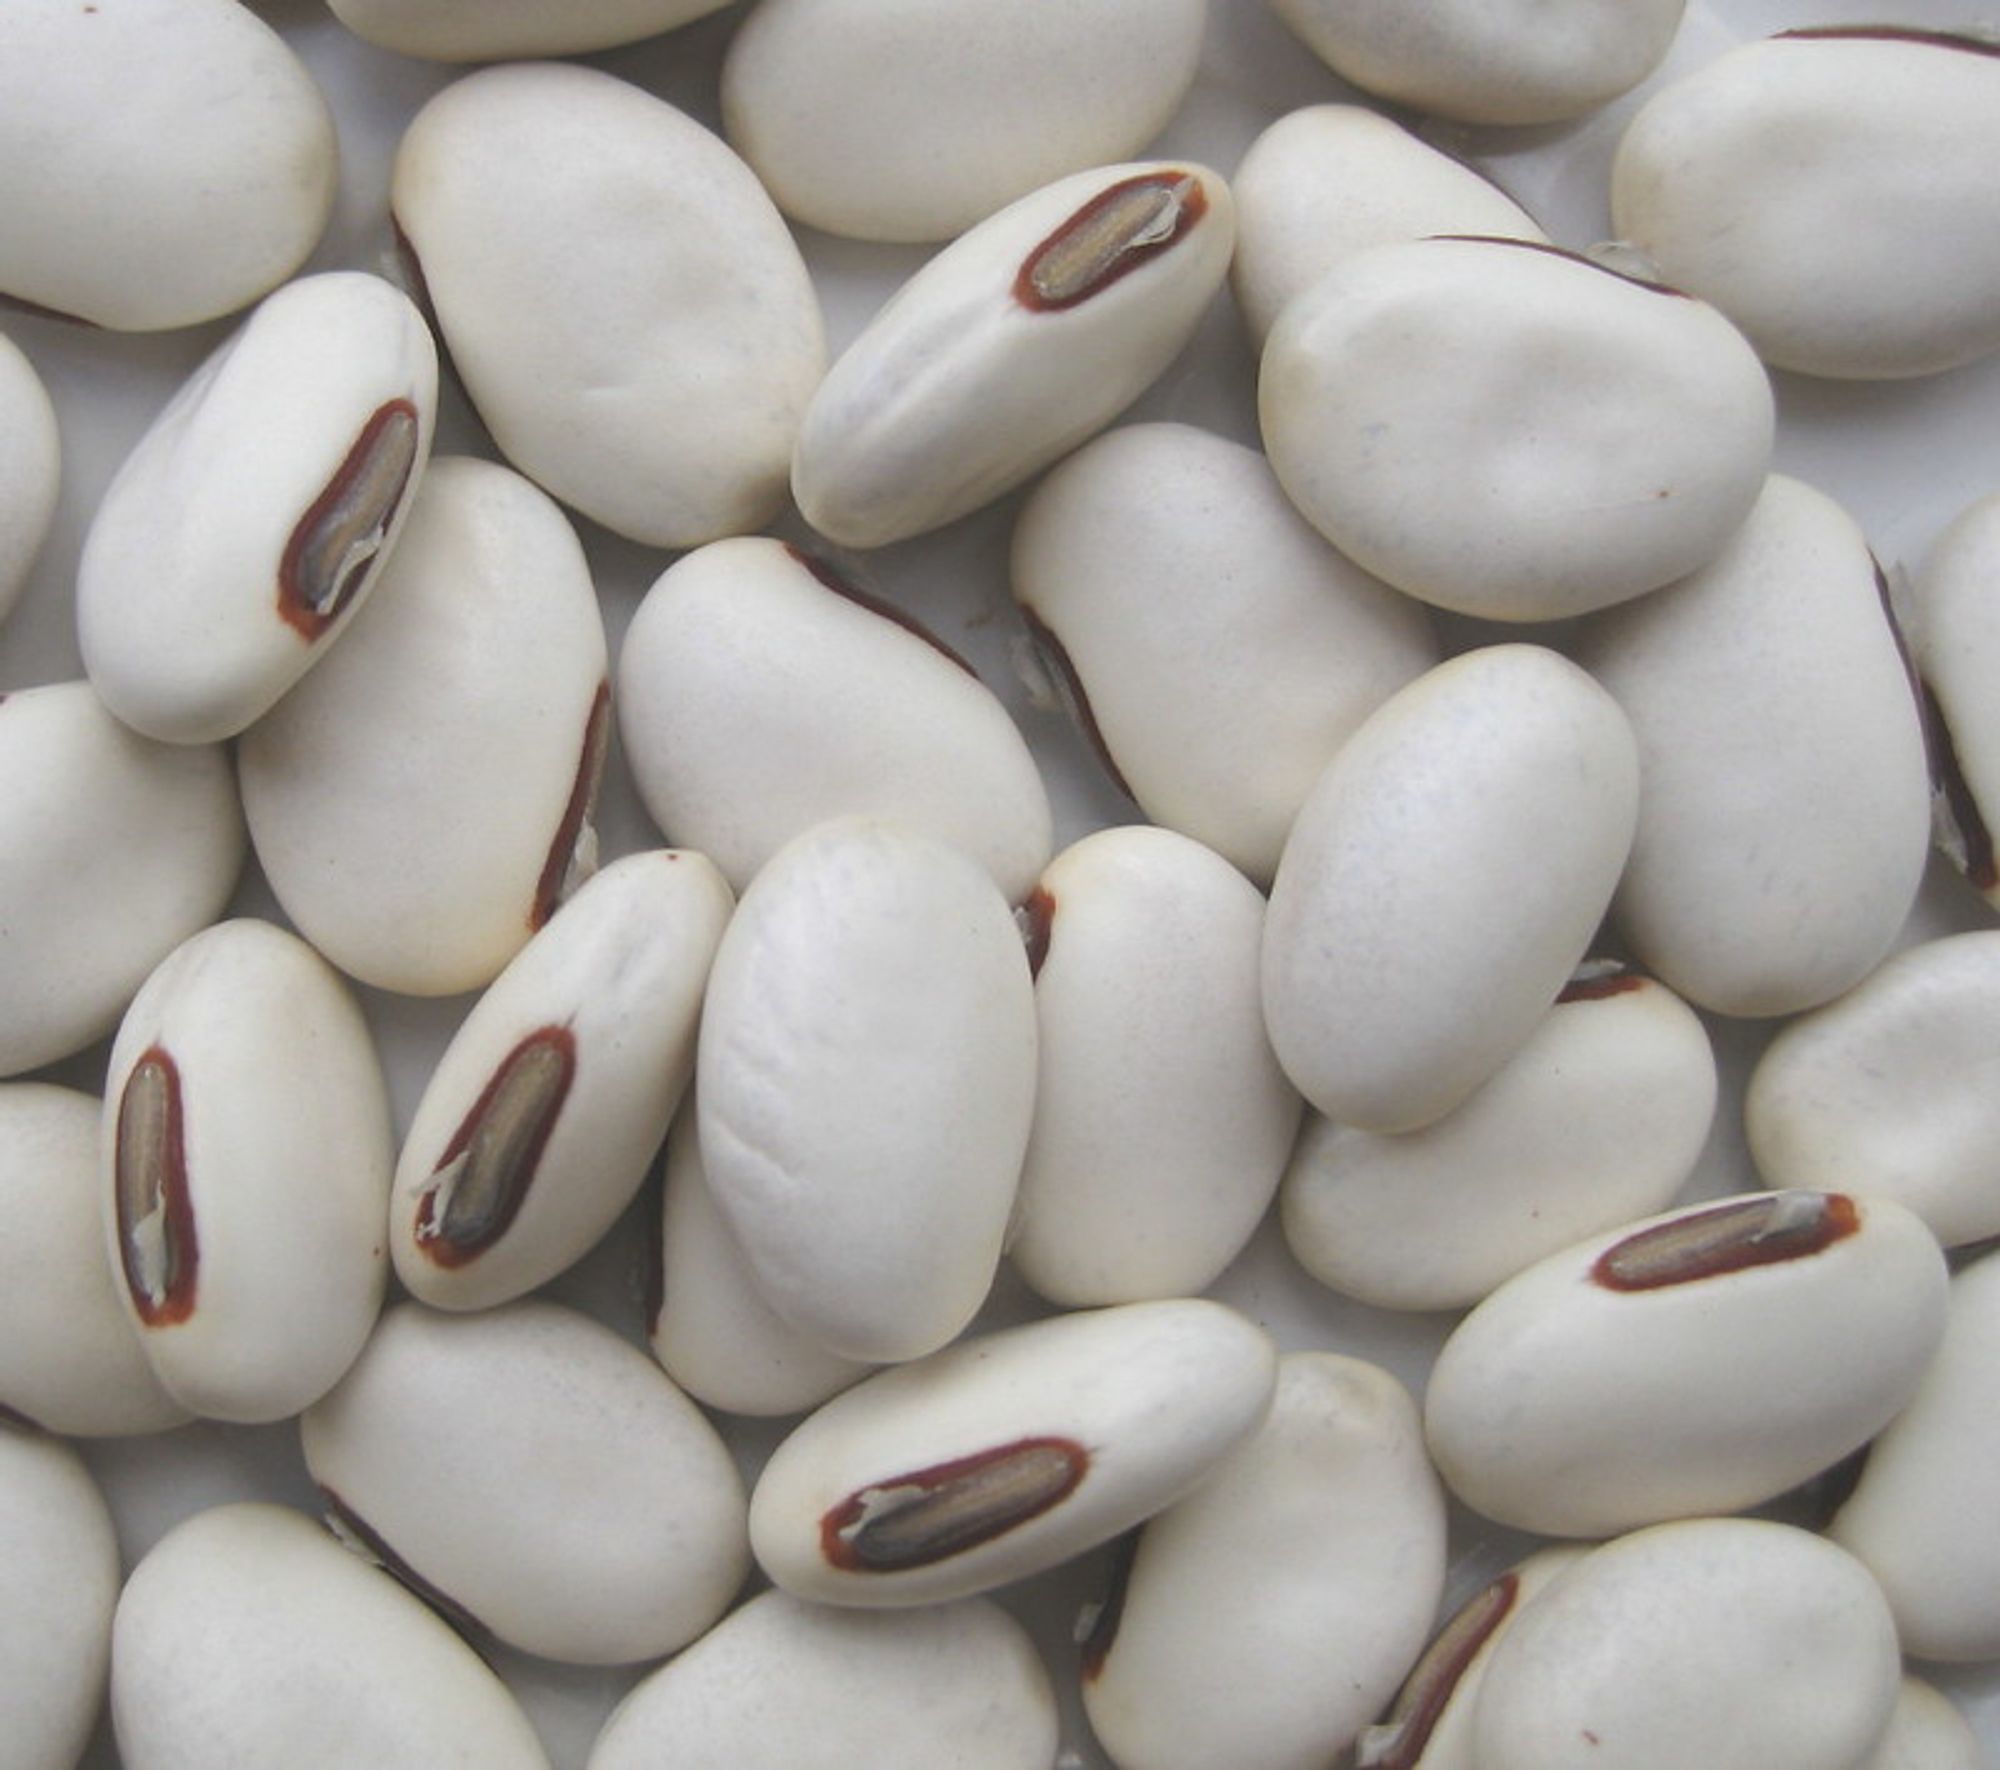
1904,458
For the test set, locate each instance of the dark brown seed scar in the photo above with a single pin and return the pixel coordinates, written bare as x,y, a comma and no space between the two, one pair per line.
653,1280
476,1189
1119,229
1549,249
929,1515
824,571
339,536
35,310
1095,1647
560,869
1969,841
157,1244
1593,983
1398,1741
1069,688
1962,40
349,1523
1729,1238
1036,919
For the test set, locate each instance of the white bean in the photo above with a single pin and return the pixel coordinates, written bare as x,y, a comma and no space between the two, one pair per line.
537,1126
1015,343
30,469
1162,1120
867,1075
1007,1452
1511,430
1442,881
58,1586
1886,1090
1732,1643
244,1172
1923,1515
958,1684
1830,191
1700,1361
1331,179
528,1468
1596,1120
490,30
1490,61
1269,1615
1784,802
422,801
905,120
1954,631
1926,1732
760,693
1429,1727
709,1325
1214,648
247,1635
197,163
618,294
252,520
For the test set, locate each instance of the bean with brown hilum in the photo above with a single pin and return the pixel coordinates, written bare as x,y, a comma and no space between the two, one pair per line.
537,1127
242,1197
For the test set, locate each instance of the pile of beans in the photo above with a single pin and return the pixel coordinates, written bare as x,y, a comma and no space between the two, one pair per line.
1287,795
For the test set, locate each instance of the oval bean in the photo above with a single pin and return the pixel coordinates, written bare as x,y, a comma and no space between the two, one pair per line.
1020,339
1007,1452
1922,1514
1954,630
867,1076
197,168
491,30
1596,1120
537,1126
528,1468
1731,1642
1214,648
1728,180
1328,180
619,296
708,1323
1162,1119
1271,1613
1510,430
244,1172
1783,804
1387,921
1700,1361
484,656
1885,1090
59,1554
248,1635
760,693
255,515
1518,61
901,120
